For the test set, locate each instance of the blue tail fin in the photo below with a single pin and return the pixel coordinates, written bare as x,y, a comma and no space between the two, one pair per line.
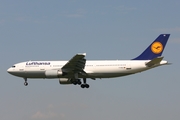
155,49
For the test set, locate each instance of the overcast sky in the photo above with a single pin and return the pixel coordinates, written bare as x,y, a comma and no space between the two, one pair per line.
104,29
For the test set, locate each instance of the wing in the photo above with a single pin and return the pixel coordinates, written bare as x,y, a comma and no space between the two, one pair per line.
75,64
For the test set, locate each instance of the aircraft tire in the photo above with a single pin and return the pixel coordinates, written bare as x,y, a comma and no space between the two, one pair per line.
79,83
26,83
84,86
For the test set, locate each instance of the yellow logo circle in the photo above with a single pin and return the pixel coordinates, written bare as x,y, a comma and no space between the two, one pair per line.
156,47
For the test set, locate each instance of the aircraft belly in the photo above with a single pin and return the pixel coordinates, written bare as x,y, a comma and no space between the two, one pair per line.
108,75
35,74
116,72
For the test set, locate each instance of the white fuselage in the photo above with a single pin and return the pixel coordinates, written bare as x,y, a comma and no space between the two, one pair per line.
71,72
94,69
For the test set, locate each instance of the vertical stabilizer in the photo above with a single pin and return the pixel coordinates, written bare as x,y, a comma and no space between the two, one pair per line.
155,49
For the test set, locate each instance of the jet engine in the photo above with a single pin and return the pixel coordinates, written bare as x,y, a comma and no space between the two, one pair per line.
53,73
65,81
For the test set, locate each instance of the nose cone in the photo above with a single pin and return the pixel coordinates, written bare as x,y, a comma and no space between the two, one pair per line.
12,71
9,70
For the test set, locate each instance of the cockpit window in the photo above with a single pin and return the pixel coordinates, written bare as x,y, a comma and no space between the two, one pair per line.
13,66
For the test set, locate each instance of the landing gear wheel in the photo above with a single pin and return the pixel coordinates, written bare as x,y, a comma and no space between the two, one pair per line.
84,86
87,86
26,83
75,83
79,82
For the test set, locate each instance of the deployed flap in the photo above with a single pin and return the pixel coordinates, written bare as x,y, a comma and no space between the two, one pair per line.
75,64
154,61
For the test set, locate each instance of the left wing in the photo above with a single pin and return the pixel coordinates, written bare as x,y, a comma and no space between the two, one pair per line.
75,64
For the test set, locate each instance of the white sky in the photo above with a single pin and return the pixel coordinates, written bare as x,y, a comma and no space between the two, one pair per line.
57,30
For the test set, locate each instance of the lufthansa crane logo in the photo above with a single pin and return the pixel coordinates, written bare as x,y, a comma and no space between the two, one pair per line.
157,47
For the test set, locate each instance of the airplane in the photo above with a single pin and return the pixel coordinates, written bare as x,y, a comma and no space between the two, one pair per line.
77,68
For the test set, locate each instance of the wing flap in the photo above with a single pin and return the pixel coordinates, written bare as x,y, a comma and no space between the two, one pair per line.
154,61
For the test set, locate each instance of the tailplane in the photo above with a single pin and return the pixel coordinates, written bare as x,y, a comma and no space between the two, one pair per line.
155,49
154,61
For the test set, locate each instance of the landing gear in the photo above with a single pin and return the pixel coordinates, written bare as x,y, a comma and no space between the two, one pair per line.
77,81
84,85
25,83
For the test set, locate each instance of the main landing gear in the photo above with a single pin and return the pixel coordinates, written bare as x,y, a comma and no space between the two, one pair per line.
25,83
78,82
85,85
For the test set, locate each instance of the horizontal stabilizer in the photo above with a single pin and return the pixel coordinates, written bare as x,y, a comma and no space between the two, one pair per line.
154,61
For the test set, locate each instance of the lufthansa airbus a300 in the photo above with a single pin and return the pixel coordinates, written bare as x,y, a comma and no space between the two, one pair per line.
77,68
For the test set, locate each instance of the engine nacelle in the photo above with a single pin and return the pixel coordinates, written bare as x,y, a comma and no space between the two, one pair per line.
53,73
65,81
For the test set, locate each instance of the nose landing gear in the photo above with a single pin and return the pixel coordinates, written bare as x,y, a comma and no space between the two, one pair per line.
25,83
